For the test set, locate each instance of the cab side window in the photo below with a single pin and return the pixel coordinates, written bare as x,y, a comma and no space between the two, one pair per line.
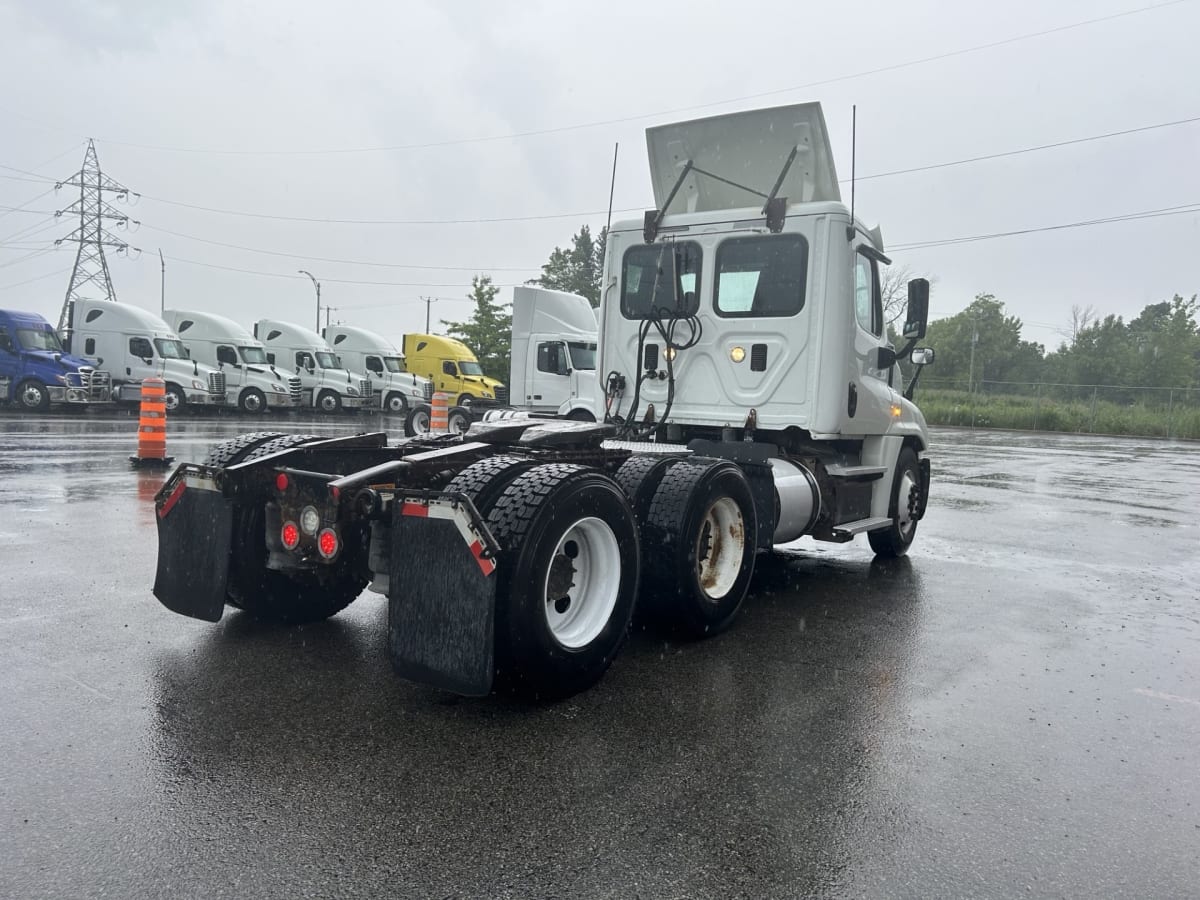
140,346
89,347
448,368
6,342
304,360
868,305
227,355
547,357
375,364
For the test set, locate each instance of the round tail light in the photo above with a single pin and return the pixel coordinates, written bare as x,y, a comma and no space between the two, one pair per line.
327,543
281,481
290,535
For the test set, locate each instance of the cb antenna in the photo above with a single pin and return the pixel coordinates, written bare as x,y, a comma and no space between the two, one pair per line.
853,147
611,188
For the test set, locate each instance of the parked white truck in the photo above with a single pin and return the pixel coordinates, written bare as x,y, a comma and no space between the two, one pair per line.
252,384
325,385
553,364
132,344
748,384
365,352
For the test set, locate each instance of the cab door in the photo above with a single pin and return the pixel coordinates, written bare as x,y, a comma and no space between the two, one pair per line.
872,414
449,381
10,359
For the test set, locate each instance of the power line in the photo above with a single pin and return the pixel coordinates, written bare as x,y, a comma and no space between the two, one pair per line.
196,262
663,112
5,287
349,262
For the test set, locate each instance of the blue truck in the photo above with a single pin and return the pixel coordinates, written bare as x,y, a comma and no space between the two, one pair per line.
36,371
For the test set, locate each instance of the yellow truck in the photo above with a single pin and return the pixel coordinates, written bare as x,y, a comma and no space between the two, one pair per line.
452,368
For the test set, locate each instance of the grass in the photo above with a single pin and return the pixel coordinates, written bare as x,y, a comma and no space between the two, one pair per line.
1074,415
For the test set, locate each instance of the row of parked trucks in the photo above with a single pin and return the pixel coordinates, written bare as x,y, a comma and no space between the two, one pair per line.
208,360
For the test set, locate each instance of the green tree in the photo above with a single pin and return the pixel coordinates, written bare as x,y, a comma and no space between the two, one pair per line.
999,352
577,269
489,330
1167,344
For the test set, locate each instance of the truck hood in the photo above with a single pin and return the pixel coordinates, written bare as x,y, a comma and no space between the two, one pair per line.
68,362
749,148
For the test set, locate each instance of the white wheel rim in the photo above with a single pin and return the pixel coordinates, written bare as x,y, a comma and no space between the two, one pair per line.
328,403
459,424
252,403
32,395
420,422
396,404
906,502
582,583
171,401
720,547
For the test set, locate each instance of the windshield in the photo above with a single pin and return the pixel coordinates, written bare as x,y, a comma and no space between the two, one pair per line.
393,363
327,360
661,279
33,339
469,367
169,348
583,356
253,355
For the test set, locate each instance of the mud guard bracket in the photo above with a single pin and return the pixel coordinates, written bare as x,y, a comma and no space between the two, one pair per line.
442,594
195,528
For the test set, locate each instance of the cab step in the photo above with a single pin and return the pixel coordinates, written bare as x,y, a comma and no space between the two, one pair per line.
849,529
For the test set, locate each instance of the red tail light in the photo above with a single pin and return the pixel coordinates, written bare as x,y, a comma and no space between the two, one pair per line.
290,535
327,543
281,481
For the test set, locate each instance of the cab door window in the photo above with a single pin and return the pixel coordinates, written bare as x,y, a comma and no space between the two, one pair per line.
550,358
227,355
868,303
140,347
6,342
375,364
448,368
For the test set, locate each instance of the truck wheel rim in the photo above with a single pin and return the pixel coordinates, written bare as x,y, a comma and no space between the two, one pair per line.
32,395
420,422
327,403
252,403
171,400
459,425
396,404
582,583
720,547
907,499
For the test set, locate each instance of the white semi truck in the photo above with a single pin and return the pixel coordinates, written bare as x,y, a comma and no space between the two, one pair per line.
252,384
553,364
362,351
133,344
749,402
325,384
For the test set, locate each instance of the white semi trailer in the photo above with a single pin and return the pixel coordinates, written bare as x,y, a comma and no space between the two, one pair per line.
749,397
252,383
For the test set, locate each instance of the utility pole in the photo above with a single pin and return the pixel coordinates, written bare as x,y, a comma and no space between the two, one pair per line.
94,211
328,310
162,288
974,341
317,285
429,301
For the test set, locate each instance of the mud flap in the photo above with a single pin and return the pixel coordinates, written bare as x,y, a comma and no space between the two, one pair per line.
442,595
195,525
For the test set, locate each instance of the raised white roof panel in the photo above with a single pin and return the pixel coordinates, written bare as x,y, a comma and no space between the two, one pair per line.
749,148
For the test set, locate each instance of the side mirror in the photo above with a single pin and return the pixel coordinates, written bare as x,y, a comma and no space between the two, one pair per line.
922,356
918,309
885,358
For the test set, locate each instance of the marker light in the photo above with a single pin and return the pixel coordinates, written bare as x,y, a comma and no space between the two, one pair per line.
896,410
669,353
290,535
281,481
327,543
737,354
310,520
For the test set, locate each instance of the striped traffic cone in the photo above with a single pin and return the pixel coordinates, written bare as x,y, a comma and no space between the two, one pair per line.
439,414
152,425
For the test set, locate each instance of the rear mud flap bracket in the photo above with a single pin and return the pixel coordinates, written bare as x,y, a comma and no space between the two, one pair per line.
442,594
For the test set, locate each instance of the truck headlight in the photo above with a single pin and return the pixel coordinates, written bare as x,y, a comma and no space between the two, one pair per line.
352,391
279,389
199,385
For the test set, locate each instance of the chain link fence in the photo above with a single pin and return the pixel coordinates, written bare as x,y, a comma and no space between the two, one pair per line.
1078,408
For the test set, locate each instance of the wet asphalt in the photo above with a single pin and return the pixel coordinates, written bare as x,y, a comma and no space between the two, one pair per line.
1013,711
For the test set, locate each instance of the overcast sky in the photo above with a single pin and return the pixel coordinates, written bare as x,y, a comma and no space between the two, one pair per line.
220,104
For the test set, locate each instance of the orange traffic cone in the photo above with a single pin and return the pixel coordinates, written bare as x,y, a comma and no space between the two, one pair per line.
439,414
152,425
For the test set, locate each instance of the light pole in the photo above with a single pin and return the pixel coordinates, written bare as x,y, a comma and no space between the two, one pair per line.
162,288
429,301
317,285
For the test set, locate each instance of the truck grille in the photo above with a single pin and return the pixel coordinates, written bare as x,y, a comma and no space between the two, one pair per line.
295,390
364,388
427,391
502,395
216,382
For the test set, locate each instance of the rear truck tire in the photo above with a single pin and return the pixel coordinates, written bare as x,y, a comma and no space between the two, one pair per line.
33,396
329,401
458,420
417,420
486,480
895,540
397,404
229,452
288,599
174,398
700,537
639,477
581,415
253,401
568,575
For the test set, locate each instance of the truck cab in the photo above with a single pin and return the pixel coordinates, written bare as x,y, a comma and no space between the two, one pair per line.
133,344
553,366
367,353
452,368
325,384
35,369
252,384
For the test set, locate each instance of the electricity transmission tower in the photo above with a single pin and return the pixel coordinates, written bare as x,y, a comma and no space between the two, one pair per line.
94,211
